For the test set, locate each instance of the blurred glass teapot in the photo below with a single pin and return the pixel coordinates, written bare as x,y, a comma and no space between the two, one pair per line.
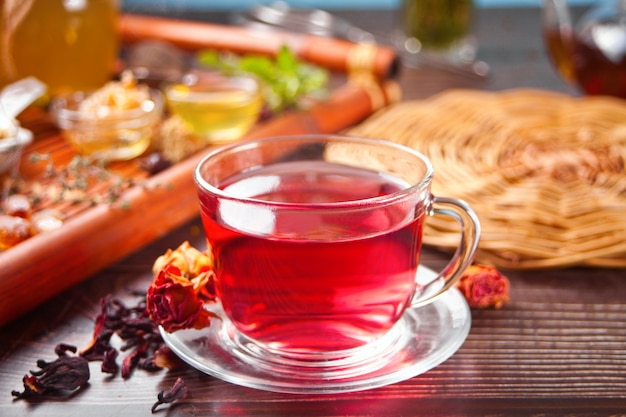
67,44
591,53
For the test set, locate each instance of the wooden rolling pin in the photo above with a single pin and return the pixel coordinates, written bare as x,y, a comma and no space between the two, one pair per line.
335,54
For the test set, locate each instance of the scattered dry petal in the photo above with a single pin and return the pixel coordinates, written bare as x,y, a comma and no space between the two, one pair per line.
178,391
133,326
165,358
66,373
484,286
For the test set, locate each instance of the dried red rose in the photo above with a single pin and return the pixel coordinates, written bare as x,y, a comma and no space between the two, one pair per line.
174,303
194,264
484,286
182,284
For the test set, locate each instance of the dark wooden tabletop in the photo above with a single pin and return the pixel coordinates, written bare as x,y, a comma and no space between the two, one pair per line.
558,349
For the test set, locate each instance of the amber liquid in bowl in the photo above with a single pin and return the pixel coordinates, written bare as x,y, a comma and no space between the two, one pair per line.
220,111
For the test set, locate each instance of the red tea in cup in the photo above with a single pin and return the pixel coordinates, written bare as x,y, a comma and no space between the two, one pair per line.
316,240
308,279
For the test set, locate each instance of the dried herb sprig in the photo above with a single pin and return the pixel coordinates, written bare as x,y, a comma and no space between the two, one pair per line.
75,182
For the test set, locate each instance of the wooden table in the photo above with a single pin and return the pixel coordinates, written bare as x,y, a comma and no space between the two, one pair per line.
559,348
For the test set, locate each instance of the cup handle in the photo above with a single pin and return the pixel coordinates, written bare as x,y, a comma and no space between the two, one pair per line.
462,258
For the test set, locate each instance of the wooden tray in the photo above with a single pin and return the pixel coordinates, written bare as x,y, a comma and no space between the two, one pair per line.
94,236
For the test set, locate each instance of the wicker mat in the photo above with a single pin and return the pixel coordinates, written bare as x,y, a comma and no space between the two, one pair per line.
544,171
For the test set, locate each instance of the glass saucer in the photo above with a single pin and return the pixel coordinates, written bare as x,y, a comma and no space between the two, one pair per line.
422,339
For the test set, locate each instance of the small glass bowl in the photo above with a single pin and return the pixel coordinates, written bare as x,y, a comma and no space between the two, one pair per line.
13,140
11,147
216,106
119,135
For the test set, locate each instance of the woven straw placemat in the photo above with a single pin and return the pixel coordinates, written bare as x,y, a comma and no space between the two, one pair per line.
544,171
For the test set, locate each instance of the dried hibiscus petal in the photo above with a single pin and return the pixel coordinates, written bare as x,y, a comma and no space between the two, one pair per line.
165,358
109,362
130,362
178,391
100,342
66,373
133,326
140,336
484,286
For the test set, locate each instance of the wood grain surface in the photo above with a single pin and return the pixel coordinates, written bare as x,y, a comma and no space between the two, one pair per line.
558,349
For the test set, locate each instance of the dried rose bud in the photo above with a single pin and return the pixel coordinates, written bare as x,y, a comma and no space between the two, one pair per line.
484,286
197,266
188,259
173,302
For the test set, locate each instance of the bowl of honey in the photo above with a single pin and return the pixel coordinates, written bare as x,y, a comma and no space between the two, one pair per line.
216,106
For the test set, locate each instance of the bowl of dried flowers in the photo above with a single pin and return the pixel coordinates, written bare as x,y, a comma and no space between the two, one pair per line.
116,122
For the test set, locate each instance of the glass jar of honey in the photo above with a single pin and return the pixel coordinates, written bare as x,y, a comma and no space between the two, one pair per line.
68,44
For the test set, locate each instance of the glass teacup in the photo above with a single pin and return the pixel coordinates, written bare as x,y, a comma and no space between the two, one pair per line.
317,240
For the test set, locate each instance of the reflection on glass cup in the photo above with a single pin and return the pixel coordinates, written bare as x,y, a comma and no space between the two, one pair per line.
317,238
